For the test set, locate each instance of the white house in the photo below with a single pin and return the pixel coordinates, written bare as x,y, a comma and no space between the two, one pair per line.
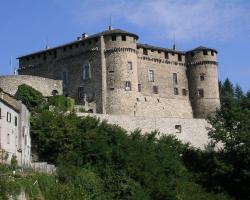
14,131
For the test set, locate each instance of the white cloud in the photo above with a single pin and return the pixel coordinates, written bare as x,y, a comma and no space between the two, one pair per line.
195,19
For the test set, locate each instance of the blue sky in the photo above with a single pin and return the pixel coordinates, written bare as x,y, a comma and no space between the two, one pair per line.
26,25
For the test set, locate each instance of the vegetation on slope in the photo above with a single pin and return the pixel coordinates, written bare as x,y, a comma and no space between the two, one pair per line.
97,160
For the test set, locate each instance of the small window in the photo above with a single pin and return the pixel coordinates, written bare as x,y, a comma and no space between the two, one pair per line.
8,138
202,77
155,89
127,85
44,56
8,117
86,72
212,53
113,37
175,79
139,87
159,51
204,52
55,54
200,93
145,52
15,121
124,38
173,53
179,57
184,92
81,93
151,76
178,128
152,50
64,77
176,92
130,65
166,55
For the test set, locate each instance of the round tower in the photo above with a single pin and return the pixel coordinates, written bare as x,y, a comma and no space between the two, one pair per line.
121,72
203,81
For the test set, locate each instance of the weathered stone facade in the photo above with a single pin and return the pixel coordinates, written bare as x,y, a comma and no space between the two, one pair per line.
46,86
113,74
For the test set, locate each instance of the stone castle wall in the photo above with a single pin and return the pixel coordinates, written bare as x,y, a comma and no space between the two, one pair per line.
108,56
46,86
193,131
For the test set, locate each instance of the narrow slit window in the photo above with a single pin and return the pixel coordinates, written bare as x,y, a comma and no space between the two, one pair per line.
176,91
200,93
175,79
155,89
113,37
130,65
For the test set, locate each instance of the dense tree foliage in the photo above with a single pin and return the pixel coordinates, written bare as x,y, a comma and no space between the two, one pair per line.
97,160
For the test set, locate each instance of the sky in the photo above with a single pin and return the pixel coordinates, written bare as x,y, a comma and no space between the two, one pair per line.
28,25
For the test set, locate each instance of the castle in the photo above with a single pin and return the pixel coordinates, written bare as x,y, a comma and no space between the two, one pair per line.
115,75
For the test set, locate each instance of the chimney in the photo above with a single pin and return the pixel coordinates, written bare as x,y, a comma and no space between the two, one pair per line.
79,38
84,35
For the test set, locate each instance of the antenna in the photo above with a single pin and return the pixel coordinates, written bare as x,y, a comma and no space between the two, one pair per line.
110,22
47,43
174,45
11,67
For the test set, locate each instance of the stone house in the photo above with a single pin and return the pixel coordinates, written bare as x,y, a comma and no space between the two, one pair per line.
14,131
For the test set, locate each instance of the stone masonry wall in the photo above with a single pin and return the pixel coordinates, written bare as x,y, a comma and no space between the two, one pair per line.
10,84
193,131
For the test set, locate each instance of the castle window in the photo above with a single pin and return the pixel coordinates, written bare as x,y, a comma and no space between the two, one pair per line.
173,53
81,93
176,92
166,55
178,128
204,52
152,50
44,56
8,138
159,51
200,93
175,79
202,77
8,117
86,72
139,87
127,85
212,53
155,89
123,37
64,77
15,121
184,92
151,76
145,52
55,54
130,65
179,57
113,38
